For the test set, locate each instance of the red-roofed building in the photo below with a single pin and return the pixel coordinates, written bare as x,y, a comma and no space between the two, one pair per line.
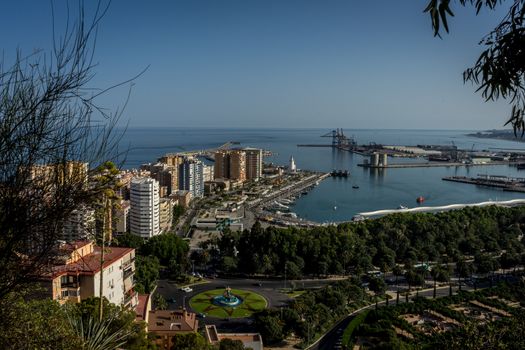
143,308
76,274
166,324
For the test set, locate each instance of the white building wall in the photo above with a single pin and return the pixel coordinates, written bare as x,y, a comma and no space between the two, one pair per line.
80,225
192,177
145,210
113,283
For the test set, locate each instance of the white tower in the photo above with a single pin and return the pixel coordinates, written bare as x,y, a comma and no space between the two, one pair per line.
145,207
292,167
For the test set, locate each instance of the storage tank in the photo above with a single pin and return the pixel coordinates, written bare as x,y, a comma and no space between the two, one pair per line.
384,159
374,159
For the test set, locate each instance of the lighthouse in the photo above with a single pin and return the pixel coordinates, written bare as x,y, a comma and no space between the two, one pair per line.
292,168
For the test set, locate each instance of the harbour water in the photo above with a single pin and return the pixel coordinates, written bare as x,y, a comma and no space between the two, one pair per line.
378,189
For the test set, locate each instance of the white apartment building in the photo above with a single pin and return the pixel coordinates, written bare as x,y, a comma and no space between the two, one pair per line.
79,225
77,276
191,177
208,173
144,207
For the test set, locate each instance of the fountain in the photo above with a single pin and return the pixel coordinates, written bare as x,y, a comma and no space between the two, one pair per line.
227,299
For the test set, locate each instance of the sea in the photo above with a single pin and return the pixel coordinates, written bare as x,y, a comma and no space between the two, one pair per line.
335,199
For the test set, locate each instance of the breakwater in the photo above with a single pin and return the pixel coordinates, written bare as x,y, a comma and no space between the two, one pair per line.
509,203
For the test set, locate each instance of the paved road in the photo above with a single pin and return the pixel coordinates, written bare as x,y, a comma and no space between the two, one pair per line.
270,289
332,339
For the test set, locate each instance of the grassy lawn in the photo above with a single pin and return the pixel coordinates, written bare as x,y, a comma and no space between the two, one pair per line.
252,302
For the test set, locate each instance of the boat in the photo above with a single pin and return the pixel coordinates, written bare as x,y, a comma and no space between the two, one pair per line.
335,207
420,199
402,207
355,186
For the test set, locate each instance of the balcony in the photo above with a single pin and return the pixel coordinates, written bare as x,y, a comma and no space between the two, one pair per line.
69,294
128,297
129,272
128,263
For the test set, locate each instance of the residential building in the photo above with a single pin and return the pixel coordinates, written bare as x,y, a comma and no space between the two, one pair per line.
173,160
71,171
145,210
75,275
80,225
222,165
237,165
166,324
167,176
143,308
208,173
122,217
181,198
231,164
249,340
166,214
191,177
254,163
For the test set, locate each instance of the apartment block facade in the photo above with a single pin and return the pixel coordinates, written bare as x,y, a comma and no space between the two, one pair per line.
75,275
254,163
145,207
191,177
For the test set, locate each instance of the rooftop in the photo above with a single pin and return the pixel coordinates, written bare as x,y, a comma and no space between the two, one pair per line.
90,264
175,321
249,340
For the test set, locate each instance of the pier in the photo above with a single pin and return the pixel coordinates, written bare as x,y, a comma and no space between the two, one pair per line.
511,184
432,165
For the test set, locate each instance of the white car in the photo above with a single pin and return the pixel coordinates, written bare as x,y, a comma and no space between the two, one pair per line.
186,289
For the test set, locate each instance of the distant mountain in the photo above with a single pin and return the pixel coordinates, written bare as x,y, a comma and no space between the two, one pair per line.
505,134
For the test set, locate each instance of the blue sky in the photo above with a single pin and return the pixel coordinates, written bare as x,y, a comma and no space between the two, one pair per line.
278,63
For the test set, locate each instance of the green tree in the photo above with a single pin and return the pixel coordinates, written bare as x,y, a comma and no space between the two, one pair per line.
229,344
229,264
146,273
178,211
189,341
167,247
118,324
377,285
270,326
159,302
129,240
37,324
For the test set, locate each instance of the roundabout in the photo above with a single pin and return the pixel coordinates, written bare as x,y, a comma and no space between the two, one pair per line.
228,303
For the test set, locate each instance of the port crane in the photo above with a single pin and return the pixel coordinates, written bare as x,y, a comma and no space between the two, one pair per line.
340,140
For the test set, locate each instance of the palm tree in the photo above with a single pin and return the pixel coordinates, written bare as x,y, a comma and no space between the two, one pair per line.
97,334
